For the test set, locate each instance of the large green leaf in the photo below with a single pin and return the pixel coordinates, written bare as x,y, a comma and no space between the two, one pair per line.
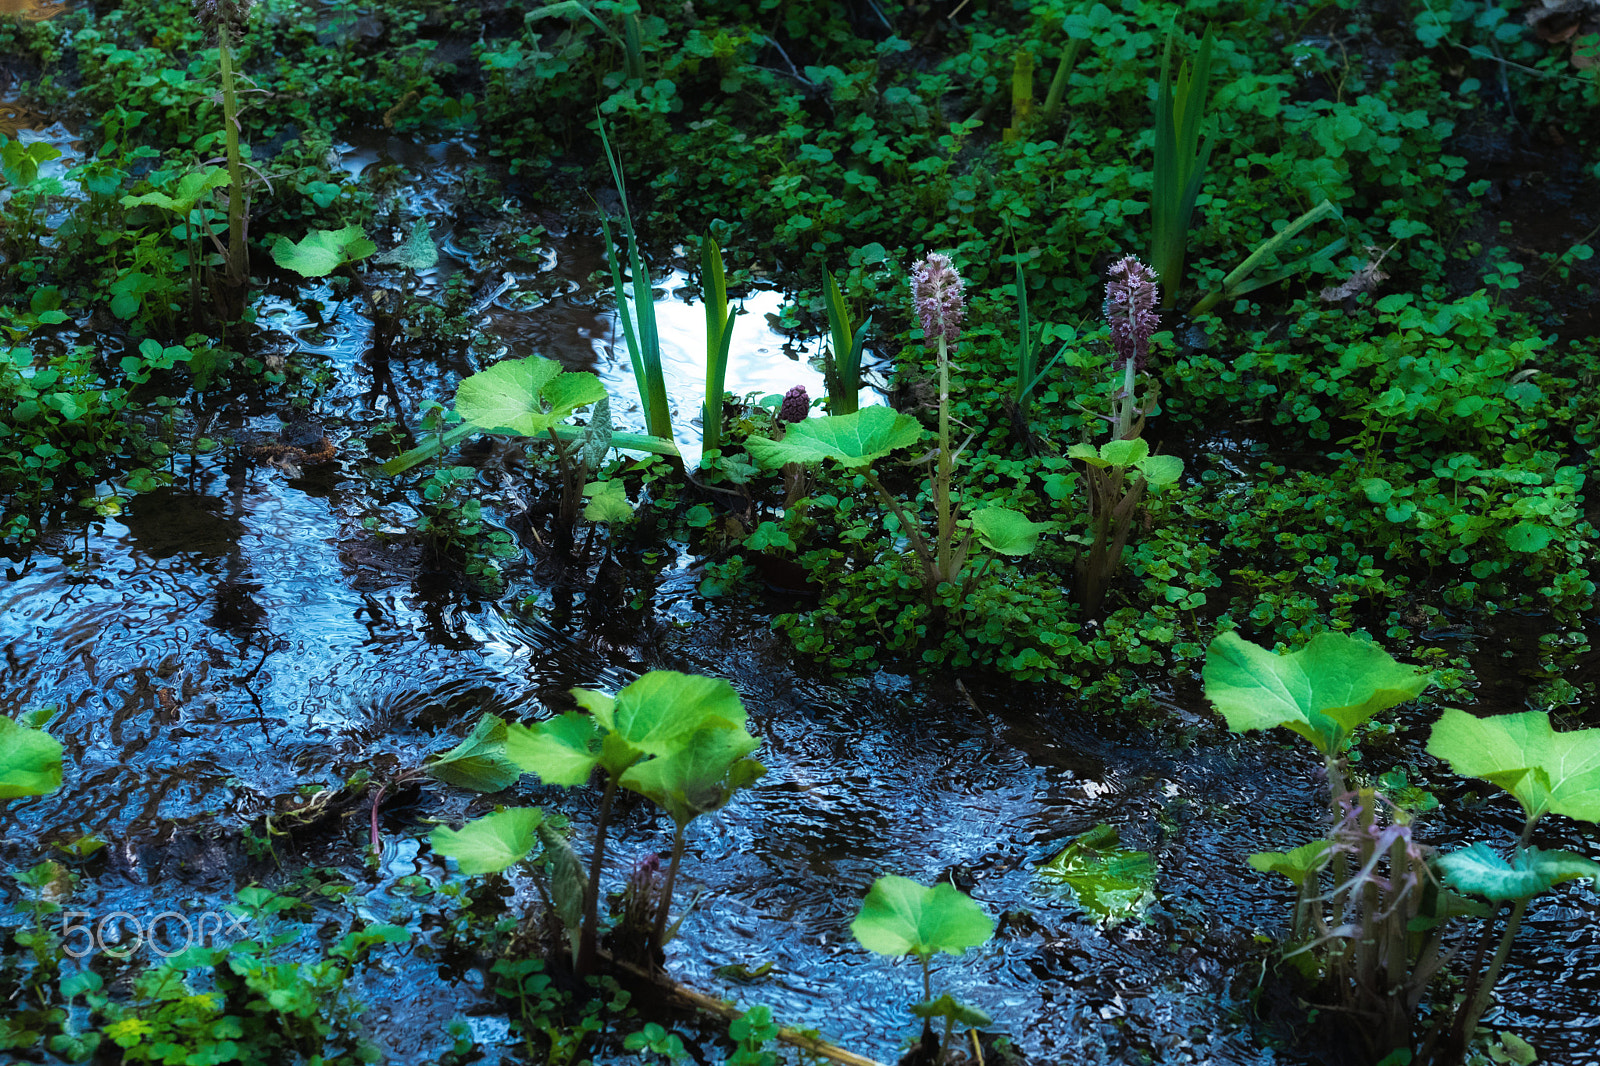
1321,691
30,761
700,776
851,440
1159,470
658,713
562,751
900,916
525,396
1008,532
191,187
1547,771
323,251
491,843
480,761
1477,869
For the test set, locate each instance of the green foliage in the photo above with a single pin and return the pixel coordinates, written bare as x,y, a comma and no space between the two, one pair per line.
1547,772
1322,691
479,762
719,338
1478,870
30,761
901,917
489,844
1180,160
321,252
1109,881
854,440
841,362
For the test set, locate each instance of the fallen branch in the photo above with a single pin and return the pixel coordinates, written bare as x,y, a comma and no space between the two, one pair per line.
699,1001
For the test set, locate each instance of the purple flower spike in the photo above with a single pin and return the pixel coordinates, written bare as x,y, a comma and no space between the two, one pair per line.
937,292
1131,295
796,405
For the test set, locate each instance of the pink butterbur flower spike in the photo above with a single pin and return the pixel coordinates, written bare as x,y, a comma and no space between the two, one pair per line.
939,296
1131,298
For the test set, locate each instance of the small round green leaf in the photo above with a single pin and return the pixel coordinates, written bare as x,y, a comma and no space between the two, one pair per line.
900,916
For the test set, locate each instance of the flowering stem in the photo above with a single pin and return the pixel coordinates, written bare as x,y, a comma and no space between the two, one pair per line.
941,488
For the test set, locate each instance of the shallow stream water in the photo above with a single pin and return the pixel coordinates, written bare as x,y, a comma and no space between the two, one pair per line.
237,636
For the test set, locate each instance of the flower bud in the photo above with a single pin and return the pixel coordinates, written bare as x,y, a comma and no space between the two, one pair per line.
796,405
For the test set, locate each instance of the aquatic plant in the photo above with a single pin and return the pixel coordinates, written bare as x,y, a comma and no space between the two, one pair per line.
679,740
225,21
1378,932
1180,159
1547,773
841,360
855,442
30,761
719,340
900,917
638,326
1118,472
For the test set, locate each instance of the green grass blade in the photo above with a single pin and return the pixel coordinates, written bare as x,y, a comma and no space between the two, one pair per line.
719,337
1025,349
644,342
842,364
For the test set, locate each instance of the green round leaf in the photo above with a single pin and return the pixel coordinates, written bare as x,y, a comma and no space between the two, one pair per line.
1159,470
480,761
1478,870
851,440
900,916
1321,691
1006,531
1529,537
30,761
1124,452
1543,769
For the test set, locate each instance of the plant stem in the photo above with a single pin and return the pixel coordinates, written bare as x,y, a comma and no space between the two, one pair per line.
588,938
919,544
238,272
941,488
1485,987
658,936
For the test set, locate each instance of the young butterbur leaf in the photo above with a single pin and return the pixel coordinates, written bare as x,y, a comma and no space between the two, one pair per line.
323,251
851,440
1109,881
478,762
30,761
947,1006
525,396
702,775
901,917
1478,870
562,751
1006,531
416,252
1546,771
1296,864
608,502
1321,691
491,843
